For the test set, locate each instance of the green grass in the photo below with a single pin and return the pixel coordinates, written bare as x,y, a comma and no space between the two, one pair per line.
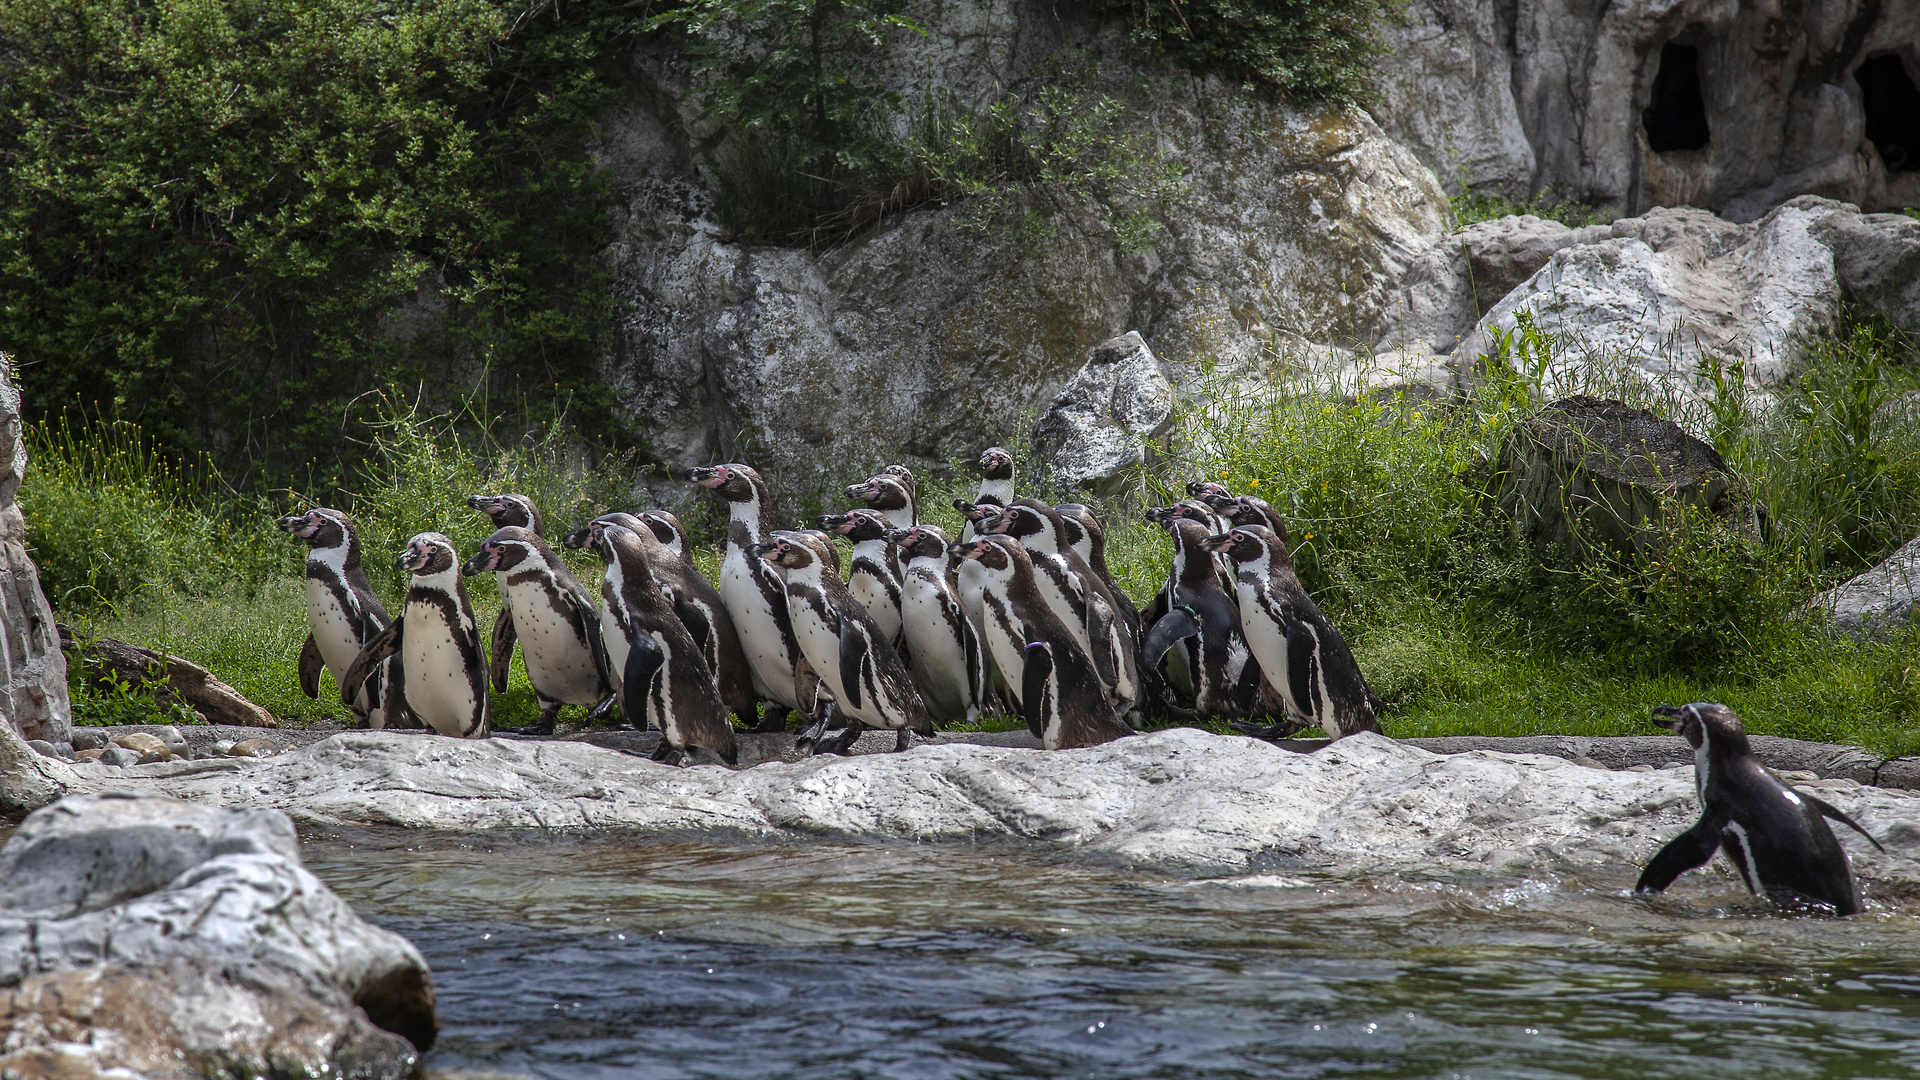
1470,207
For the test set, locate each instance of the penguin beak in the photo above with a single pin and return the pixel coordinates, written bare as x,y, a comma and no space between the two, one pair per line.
969,550
765,548
483,560
479,502
298,524
897,536
833,523
1217,543
408,559
863,492
576,539
1671,717
707,475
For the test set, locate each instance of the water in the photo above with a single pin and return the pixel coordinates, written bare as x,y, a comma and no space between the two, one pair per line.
698,957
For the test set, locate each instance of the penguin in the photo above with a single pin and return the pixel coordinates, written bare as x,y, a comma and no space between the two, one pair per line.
1775,836
873,578
507,511
754,593
666,681
441,667
561,645
943,653
996,482
1212,524
343,614
1303,658
1202,628
1204,489
1058,690
1077,596
695,602
890,494
666,529
843,646
1088,538
1247,510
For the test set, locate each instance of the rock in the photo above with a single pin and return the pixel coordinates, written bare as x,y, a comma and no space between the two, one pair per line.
89,739
173,678
43,748
253,748
1878,603
33,670
120,757
1591,472
1781,100
149,747
29,780
1459,279
223,747
88,756
150,935
1097,430
1178,800
1877,257
1671,288
1900,773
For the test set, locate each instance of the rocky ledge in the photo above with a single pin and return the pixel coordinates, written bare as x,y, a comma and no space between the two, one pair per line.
1180,800
151,937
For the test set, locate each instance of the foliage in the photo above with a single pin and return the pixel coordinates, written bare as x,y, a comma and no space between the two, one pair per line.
1298,49
219,213
110,699
1473,206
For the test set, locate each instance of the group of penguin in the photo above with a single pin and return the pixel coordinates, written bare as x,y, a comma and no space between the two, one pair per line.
1020,613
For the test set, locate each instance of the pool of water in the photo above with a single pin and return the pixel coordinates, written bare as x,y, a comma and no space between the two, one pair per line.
623,956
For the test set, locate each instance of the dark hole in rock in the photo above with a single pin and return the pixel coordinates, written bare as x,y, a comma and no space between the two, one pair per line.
1893,111
1676,116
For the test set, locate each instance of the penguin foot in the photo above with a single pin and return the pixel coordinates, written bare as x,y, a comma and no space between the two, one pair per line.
602,709
665,754
1267,731
844,744
904,741
773,718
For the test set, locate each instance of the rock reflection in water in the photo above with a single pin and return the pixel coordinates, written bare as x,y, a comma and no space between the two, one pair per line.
633,956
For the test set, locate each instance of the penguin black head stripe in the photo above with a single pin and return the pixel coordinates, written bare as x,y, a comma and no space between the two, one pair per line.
1249,544
856,525
666,529
428,553
990,551
320,527
1200,489
996,463
884,492
920,542
505,510
504,550
732,481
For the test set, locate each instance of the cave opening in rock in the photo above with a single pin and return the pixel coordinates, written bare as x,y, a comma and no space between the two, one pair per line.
1676,116
1892,104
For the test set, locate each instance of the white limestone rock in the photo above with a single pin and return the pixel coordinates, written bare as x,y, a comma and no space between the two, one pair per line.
33,670
1179,800
1879,602
1463,276
1877,257
1096,431
168,934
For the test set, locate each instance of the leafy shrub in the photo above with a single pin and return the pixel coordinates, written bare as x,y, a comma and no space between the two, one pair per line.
1298,49
1474,206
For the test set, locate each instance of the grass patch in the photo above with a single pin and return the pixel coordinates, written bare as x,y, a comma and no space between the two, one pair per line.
1470,207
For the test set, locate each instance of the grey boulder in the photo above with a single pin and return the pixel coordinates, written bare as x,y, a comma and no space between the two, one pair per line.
1463,276
1096,431
147,934
1879,602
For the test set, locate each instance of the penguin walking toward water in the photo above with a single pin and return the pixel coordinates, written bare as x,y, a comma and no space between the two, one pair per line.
666,681
996,483
556,619
440,666
943,653
505,511
1057,688
873,577
1201,629
1077,596
755,594
343,614
843,645
1777,837
1301,655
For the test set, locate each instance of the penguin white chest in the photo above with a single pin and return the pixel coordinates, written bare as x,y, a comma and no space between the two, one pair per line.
334,630
559,664
753,619
440,689
820,645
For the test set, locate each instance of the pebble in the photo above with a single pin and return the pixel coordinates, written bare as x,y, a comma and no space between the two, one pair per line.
1639,768
88,756
150,748
220,748
120,756
43,748
89,740
254,748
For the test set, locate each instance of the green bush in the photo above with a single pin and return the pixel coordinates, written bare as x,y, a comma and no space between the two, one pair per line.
1319,50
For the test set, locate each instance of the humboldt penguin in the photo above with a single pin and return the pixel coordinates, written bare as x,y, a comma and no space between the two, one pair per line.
557,622
442,667
891,494
996,483
666,682
943,653
873,577
666,529
1077,596
1301,655
1057,688
1774,835
1088,538
1202,628
509,511
1247,510
843,646
343,614
1212,524
506,511
755,594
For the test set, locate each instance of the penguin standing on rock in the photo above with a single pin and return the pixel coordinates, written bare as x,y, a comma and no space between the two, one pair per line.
943,653
1776,836
872,579
755,594
342,611
1077,596
843,646
1301,656
440,666
666,682
1059,692
1202,629
558,624
517,512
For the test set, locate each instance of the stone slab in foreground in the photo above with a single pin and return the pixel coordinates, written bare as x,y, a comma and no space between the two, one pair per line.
1179,800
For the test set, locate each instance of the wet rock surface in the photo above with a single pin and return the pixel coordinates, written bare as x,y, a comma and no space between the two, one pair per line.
176,939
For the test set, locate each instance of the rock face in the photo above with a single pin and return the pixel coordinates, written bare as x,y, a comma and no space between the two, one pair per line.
1097,429
33,671
1732,107
926,339
1878,603
1877,257
1463,276
172,939
1670,288
1179,800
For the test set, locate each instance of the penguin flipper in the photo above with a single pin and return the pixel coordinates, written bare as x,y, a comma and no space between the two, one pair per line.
854,662
645,658
1036,687
586,622
1099,629
1827,809
504,636
310,667
1691,849
1176,625
375,651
